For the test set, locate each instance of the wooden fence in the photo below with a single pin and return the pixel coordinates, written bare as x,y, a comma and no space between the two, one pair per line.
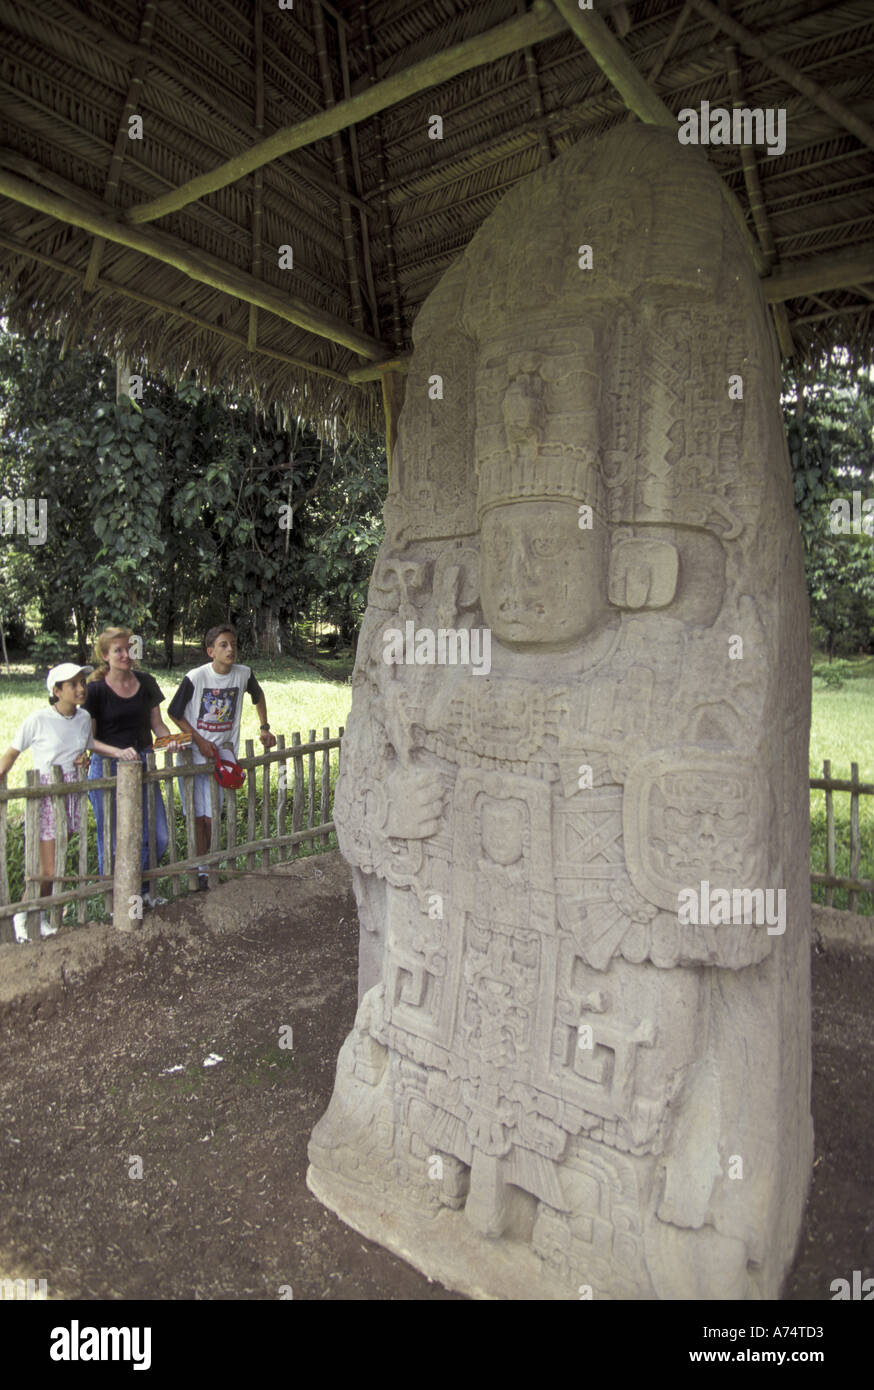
288,813
274,829
831,879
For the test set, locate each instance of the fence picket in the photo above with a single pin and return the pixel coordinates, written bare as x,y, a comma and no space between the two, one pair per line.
297,795
6,930
250,801
186,788
855,842
281,794
324,812
82,903
176,880
830,858
151,809
108,819
265,813
59,808
31,857
311,787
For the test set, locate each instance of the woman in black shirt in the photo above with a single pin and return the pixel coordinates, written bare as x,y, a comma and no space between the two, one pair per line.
124,705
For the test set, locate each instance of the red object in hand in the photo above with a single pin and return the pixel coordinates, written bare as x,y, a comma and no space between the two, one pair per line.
228,773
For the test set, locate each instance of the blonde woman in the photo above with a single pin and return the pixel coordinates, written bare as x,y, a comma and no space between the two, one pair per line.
125,708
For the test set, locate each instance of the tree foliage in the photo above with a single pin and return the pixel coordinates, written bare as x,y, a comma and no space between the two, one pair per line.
177,510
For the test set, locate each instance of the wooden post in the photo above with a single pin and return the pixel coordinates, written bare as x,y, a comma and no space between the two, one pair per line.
251,791
393,390
215,830
108,826
128,875
829,833
265,814
187,787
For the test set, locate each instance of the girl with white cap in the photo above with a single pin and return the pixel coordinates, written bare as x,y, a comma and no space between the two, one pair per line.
57,736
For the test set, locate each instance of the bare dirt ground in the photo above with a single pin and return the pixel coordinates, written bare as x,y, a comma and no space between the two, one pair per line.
103,1039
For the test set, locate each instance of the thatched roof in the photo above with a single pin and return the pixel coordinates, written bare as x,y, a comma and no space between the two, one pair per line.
374,209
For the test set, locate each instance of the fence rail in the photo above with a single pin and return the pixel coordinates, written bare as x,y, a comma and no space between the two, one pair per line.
264,811
275,826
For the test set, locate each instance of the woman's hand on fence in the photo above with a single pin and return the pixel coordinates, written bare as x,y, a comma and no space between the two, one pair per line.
128,755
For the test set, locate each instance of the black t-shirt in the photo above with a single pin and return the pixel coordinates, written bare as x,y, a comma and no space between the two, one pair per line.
125,723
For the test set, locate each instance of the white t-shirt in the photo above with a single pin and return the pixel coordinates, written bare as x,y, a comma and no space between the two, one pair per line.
213,704
54,738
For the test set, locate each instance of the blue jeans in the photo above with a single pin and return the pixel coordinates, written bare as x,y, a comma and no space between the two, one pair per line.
162,836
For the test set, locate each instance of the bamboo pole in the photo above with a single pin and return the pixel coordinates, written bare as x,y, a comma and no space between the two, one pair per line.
258,181
197,265
756,200
340,174
539,24
122,141
797,79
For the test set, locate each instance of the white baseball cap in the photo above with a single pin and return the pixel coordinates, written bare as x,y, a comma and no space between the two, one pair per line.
65,672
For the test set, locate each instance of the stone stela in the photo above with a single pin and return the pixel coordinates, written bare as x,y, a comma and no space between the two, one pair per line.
553,1083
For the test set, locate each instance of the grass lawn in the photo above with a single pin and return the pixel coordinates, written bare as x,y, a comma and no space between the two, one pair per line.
300,699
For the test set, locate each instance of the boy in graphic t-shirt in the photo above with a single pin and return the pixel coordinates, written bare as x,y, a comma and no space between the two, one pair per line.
209,706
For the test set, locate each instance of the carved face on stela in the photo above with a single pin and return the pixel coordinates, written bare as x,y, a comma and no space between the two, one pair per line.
543,562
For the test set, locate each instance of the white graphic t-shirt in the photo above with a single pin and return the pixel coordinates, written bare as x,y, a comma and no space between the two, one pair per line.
213,704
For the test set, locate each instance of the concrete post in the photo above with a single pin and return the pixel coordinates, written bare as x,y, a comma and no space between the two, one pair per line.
127,904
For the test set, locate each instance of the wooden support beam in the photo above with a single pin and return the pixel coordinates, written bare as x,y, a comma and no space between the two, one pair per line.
839,271
496,43
358,181
797,79
375,371
122,139
616,65
150,302
381,174
197,265
258,178
350,251
394,385
638,95
756,200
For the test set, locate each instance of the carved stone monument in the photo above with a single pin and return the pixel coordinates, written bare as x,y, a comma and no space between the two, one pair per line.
569,1071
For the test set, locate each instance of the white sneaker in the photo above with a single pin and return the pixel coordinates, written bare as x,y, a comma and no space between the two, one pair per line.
45,927
19,923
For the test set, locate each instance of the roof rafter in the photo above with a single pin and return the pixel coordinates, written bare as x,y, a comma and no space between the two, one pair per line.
539,24
197,265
